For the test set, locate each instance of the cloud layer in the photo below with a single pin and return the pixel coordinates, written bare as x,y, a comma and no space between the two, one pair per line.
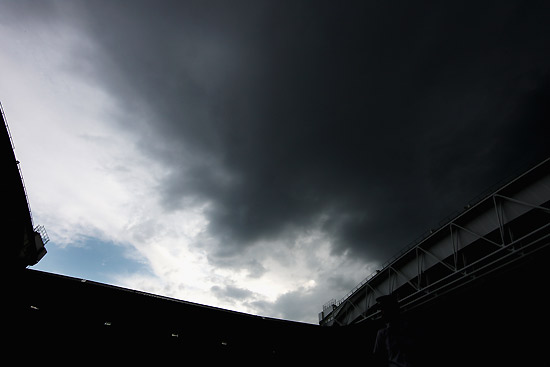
269,154
290,117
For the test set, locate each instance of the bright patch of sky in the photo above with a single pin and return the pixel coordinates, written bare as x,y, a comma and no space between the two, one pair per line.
96,194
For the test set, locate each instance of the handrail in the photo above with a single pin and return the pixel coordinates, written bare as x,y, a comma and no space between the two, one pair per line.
17,162
7,126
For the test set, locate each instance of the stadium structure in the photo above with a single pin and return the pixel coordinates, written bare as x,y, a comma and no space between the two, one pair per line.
475,288
495,233
24,242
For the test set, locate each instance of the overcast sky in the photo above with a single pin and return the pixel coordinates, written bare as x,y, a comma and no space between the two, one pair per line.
264,156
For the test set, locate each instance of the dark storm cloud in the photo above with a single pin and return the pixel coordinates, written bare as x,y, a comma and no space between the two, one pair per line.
371,121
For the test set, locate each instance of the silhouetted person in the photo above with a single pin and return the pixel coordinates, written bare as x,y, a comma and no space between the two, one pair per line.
395,343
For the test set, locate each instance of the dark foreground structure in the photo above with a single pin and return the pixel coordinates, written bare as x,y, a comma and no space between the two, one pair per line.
500,318
501,321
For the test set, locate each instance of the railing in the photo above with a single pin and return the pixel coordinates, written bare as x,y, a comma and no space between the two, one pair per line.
329,304
43,234
6,124
18,165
